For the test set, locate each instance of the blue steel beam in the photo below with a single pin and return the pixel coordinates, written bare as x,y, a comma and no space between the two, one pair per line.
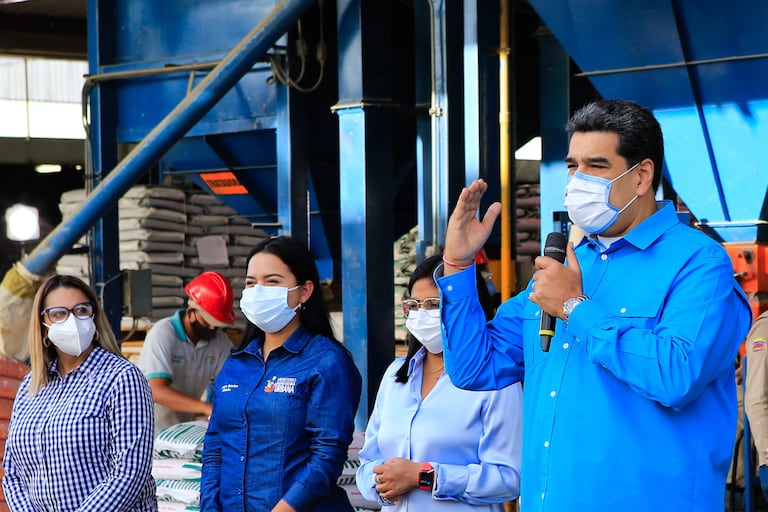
104,259
172,128
292,165
554,112
366,167
704,80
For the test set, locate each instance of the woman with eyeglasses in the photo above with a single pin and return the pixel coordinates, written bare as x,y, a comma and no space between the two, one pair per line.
430,445
284,402
81,430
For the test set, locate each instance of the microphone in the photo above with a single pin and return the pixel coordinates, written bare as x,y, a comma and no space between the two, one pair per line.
554,247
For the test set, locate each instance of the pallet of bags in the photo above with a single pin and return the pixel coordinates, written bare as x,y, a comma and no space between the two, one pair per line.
171,506
76,263
154,228
177,465
226,241
347,478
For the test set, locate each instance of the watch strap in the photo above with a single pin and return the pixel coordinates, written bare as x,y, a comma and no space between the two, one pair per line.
426,476
570,304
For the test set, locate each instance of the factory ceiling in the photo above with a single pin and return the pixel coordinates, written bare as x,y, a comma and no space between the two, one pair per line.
45,28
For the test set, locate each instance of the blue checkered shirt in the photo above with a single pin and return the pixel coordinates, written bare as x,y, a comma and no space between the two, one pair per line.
84,442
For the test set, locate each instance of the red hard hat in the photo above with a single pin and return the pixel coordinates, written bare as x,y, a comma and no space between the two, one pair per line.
481,257
211,294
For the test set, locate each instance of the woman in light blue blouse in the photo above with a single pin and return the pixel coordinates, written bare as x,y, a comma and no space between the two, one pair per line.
430,445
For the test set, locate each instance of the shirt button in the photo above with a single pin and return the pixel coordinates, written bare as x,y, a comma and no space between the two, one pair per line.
537,313
542,495
242,458
546,444
623,310
566,345
552,393
603,257
449,287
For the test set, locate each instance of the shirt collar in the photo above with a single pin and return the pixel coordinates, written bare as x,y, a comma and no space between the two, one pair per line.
294,344
87,367
417,359
651,229
178,325
645,233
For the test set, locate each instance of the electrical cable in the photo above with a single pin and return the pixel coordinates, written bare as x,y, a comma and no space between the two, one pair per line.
283,76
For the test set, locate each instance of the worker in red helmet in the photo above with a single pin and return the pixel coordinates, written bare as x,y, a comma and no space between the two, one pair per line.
183,353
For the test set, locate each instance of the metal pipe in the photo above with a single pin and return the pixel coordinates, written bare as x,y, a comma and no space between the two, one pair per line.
438,112
504,152
144,73
673,65
172,128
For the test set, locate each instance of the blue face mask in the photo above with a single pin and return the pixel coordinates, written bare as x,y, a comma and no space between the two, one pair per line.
267,307
587,201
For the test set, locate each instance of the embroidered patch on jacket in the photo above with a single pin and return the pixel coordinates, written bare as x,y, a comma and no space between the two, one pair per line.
758,344
226,388
280,385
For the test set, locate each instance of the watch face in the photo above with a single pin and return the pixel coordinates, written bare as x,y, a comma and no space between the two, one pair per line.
426,479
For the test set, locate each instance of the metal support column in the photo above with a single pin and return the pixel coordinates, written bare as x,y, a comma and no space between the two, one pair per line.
366,165
292,162
554,79
101,157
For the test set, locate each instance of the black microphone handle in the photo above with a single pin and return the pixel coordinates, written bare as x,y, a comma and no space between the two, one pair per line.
554,247
547,325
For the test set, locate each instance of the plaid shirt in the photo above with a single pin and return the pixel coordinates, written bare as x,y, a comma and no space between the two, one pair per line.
83,442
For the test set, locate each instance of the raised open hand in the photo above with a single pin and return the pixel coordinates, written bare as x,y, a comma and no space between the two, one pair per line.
466,233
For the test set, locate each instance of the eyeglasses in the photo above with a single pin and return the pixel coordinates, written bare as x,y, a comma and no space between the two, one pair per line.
60,314
431,305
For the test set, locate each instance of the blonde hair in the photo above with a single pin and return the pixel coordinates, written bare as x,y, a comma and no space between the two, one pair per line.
41,356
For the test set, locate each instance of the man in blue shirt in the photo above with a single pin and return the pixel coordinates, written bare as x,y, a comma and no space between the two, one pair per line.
634,406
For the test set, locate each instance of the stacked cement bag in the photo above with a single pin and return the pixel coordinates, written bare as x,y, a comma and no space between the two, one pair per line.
347,479
153,231
12,372
528,228
76,263
176,234
225,243
404,255
177,465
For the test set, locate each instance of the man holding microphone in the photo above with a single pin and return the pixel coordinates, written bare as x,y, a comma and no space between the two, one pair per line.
634,405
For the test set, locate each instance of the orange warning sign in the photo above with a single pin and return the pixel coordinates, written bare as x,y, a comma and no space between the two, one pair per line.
223,183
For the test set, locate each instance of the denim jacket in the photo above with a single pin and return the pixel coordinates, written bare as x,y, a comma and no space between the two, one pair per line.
280,429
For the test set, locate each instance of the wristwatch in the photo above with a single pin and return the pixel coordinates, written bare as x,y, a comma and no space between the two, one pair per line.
570,304
426,477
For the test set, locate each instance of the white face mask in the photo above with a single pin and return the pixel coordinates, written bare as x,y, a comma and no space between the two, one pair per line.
267,307
587,201
426,328
73,335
